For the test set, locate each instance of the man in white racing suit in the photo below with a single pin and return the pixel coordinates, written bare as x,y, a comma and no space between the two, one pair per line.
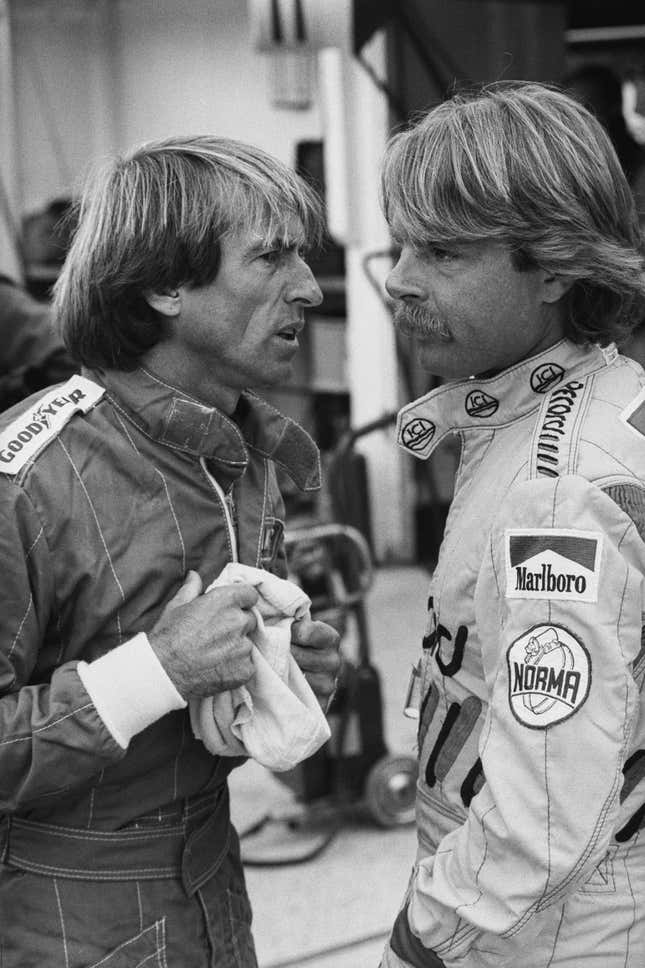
520,261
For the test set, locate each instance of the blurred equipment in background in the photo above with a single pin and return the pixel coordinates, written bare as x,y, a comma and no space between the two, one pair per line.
33,355
600,89
352,778
46,235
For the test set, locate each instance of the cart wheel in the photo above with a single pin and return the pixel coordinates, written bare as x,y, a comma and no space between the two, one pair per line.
390,790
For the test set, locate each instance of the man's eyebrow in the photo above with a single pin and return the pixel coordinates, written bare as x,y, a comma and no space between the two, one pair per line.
277,242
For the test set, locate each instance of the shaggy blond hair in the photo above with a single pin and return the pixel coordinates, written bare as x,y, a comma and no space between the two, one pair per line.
154,220
527,165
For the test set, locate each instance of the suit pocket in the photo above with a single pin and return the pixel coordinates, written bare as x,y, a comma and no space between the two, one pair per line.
602,879
146,948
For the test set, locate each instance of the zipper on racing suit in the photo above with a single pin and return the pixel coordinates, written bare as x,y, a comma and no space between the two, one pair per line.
228,508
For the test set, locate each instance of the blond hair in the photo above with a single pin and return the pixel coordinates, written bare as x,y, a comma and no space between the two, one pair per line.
525,164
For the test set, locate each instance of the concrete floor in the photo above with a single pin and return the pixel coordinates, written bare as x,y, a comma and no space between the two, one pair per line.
336,910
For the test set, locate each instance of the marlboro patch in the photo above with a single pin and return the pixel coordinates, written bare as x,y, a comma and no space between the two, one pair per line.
549,672
559,565
34,429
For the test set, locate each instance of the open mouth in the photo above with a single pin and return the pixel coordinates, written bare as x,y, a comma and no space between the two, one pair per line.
290,333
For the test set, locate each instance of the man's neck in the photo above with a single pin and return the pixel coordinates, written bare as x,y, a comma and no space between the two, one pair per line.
174,369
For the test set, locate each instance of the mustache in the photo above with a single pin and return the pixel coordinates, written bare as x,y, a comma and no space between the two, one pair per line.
417,321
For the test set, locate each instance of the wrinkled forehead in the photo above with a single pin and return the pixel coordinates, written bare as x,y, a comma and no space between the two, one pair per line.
271,216
286,231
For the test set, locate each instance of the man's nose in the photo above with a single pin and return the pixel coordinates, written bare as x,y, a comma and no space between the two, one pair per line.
407,280
305,290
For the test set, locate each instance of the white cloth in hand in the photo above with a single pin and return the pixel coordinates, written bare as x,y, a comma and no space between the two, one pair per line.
275,718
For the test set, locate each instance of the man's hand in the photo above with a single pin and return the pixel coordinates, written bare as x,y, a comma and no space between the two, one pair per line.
202,641
314,646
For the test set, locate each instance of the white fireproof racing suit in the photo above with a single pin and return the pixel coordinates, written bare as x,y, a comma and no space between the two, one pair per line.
531,791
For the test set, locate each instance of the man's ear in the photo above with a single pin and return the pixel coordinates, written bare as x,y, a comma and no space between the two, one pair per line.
554,287
167,302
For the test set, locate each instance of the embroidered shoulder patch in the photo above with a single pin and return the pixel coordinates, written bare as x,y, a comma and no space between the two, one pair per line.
560,565
33,430
549,676
633,416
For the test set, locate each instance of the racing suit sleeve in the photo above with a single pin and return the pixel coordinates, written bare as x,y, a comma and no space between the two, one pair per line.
559,640
54,732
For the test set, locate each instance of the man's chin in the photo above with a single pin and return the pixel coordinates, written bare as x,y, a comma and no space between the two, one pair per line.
439,359
279,378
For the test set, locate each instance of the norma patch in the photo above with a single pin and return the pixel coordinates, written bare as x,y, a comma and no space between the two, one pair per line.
559,565
36,428
549,676
634,414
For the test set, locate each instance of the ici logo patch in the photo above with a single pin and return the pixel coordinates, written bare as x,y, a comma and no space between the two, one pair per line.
480,404
417,433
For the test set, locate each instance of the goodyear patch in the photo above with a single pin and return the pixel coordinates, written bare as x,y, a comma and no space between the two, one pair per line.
549,676
559,565
633,416
34,429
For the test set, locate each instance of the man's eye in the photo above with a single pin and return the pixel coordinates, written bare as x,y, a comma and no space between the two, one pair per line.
272,255
441,253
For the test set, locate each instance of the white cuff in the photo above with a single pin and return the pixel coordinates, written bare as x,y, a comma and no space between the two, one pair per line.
129,688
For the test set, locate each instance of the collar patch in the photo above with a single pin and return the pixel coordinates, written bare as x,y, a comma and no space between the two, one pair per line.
556,565
546,376
549,676
34,429
481,404
417,433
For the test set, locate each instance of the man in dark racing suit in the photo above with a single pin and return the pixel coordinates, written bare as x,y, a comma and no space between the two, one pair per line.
123,494
521,263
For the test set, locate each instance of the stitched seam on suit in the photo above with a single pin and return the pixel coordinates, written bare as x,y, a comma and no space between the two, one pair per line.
167,443
20,627
102,536
111,954
593,443
631,891
41,729
175,771
126,431
35,542
265,496
595,835
125,838
174,517
90,872
221,501
62,923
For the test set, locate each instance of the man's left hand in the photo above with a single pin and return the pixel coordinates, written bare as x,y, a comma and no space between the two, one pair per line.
314,646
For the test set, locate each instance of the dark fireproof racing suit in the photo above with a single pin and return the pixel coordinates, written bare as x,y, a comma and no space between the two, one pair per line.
115,839
531,789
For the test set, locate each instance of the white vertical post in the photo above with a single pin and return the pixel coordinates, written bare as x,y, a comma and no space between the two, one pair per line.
355,123
102,78
10,261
